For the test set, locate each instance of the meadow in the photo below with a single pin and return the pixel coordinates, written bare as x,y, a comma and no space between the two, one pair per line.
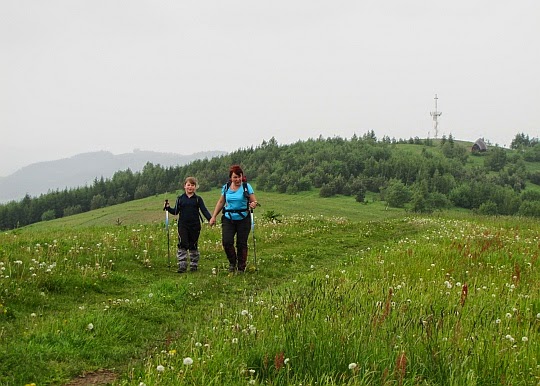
336,293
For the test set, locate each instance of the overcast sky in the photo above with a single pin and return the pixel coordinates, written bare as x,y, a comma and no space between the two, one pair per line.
187,76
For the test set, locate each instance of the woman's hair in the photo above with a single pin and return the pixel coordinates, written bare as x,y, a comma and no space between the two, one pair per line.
236,169
192,181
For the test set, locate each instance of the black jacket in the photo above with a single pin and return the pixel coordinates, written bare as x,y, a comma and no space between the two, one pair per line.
188,209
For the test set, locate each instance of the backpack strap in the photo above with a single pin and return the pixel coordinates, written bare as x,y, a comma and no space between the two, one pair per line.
199,208
246,195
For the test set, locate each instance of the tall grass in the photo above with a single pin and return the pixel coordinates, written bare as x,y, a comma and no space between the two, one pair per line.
431,300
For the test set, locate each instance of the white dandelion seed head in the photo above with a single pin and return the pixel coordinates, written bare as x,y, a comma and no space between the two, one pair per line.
286,361
90,326
524,339
245,312
508,315
498,321
160,368
352,366
188,361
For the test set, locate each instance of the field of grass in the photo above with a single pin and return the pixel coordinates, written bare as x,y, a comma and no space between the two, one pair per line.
341,293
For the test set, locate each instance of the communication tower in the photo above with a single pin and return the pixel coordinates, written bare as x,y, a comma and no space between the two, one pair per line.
436,114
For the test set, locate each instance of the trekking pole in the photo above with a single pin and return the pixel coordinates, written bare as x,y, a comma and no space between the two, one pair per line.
168,236
254,243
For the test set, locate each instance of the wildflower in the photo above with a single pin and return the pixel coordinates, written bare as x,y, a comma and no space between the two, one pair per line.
524,339
498,321
245,312
160,368
508,315
142,384
33,315
286,361
198,344
538,315
188,361
352,366
90,327
234,340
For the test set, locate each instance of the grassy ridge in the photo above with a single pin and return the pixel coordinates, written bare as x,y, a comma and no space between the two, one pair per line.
344,293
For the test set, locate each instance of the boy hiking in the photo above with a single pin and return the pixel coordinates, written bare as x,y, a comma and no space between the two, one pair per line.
187,207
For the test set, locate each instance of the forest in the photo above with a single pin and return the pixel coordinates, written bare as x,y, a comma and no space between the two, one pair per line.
419,175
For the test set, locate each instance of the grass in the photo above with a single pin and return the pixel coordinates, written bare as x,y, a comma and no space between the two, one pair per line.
342,293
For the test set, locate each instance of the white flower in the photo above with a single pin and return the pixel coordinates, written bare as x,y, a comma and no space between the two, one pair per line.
160,368
352,366
508,315
198,344
142,384
33,315
90,326
286,361
244,312
538,315
188,361
524,339
498,321
234,340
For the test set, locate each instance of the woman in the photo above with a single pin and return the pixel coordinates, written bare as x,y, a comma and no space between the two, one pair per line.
236,200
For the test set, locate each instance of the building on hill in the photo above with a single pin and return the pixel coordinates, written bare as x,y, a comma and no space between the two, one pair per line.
479,146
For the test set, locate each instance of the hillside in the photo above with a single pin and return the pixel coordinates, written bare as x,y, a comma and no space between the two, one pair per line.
83,169
420,176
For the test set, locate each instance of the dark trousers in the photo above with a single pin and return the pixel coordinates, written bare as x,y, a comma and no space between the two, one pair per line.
188,236
239,228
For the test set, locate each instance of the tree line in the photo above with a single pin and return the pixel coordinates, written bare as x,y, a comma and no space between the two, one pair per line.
420,175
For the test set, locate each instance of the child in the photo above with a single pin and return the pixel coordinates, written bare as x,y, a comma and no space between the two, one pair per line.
189,226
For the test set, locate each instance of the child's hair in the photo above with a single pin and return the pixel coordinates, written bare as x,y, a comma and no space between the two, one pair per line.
192,181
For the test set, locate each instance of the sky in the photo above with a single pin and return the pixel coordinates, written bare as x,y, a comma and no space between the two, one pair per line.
185,76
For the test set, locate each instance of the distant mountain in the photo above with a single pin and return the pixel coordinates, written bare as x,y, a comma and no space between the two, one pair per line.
82,169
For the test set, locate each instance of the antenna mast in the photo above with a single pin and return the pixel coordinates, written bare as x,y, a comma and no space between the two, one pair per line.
436,114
